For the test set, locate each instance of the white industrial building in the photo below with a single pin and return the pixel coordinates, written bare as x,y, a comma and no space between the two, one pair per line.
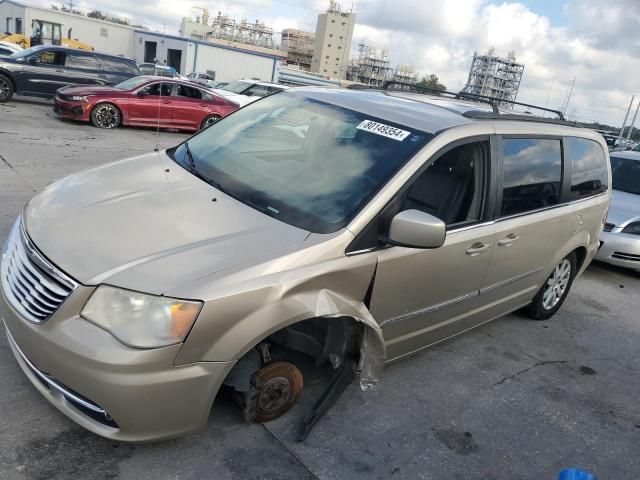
226,60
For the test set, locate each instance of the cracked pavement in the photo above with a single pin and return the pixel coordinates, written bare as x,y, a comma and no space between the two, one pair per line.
512,399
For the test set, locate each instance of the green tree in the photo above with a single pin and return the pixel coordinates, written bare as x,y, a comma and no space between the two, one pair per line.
432,81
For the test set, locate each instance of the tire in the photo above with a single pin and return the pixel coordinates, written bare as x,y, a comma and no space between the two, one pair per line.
553,293
209,120
106,115
6,89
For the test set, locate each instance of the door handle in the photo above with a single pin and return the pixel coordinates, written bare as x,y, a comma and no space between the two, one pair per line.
508,240
478,248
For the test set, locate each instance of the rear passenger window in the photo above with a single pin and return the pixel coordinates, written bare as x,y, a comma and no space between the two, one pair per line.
532,174
116,66
589,174
85,62
189,92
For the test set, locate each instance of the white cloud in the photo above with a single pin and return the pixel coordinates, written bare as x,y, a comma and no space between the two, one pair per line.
600,46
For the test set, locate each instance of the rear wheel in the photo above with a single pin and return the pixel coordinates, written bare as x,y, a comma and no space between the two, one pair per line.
6,89
210,120
553,293
105,115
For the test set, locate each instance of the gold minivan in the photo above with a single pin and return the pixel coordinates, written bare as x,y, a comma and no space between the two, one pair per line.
349,228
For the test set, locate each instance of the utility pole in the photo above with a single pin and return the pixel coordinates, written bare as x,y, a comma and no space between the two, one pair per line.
625,120
550,90
633,122
566,104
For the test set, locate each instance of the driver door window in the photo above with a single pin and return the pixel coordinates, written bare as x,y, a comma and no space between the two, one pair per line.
158,90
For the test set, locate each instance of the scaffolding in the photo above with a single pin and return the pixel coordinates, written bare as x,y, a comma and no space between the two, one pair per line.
495,77
223,27
298,46
370,68
405,74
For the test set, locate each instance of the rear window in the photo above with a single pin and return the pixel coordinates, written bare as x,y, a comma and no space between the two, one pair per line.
532,174
84,62
115,65
589,174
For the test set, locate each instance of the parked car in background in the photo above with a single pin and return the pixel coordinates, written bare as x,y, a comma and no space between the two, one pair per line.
8,48
159,70
144,101
247,91
40,71
326,227
200,77
620,240
213,85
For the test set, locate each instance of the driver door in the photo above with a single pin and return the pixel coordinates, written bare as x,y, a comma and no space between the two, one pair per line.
152,105
422,296
44,73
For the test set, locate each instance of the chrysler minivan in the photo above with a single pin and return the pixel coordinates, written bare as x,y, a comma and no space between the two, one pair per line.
349,227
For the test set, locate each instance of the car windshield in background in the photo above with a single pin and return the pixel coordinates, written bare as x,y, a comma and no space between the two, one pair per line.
237,87
131,83
625,174
304,162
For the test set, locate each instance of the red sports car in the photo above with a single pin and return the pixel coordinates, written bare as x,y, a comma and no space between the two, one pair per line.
144,101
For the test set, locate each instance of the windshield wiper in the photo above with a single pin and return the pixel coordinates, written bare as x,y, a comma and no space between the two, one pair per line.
189,155
191,164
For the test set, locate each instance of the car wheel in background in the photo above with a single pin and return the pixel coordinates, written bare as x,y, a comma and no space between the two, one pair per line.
105,115
552,294
6,89
209,120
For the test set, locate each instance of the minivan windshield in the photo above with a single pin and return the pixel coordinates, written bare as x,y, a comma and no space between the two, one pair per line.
305,162
625,174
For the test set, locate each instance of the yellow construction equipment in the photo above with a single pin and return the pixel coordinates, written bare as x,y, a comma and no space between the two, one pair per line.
45,33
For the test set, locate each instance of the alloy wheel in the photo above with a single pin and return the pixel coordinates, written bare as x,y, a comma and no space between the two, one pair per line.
210,120
107,117
557,285
5,88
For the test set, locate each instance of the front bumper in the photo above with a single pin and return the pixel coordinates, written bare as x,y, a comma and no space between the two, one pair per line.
71,110
620,249
110,389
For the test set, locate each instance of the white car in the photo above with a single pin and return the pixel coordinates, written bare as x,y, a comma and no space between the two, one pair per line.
8,48
247,91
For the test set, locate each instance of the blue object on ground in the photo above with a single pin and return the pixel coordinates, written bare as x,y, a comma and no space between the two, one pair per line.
575,474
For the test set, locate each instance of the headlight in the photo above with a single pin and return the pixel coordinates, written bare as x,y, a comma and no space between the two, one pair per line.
78,98
632,228
140,320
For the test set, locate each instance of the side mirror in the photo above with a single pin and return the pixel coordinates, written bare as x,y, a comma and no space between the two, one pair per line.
416,229
32,60
142,93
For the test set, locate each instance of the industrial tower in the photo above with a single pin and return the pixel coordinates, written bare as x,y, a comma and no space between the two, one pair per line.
495,77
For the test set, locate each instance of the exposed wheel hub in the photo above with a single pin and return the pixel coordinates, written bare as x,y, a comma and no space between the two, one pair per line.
274,390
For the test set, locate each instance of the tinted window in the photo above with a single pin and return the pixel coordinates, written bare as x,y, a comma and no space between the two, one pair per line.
117,66
589,174
155,90
532,174
304,162
85,62
49,57
257,91
625,174
189,92
5,51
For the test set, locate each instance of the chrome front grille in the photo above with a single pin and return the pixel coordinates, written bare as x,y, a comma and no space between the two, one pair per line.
31,284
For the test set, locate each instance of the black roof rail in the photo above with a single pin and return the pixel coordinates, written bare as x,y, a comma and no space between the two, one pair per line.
494,102
459,95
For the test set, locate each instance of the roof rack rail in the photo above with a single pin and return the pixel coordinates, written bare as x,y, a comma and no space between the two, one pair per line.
494,102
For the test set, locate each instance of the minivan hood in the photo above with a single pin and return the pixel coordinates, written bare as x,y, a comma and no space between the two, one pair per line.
624,207
147,224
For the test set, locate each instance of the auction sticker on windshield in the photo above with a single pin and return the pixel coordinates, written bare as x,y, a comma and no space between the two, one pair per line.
384,130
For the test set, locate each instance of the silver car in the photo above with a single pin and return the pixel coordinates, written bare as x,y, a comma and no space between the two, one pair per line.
620,240
348,228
